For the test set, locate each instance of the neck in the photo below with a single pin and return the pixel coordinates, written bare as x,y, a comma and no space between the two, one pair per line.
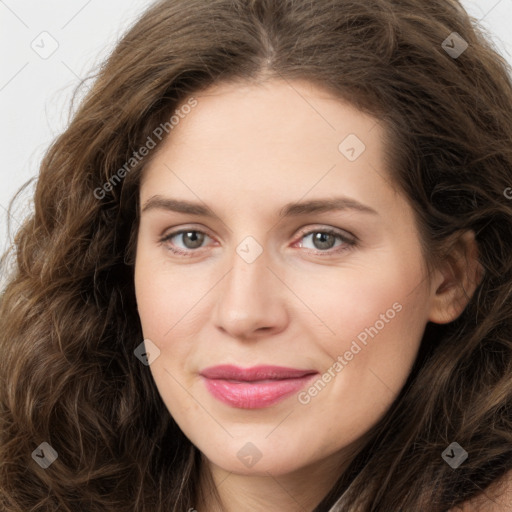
299,491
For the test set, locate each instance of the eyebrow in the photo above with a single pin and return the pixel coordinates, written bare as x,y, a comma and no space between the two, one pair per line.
289,210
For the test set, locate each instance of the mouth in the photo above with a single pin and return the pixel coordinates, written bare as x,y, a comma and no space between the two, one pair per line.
256,387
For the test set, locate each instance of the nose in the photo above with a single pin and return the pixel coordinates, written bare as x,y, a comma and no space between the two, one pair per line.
251,299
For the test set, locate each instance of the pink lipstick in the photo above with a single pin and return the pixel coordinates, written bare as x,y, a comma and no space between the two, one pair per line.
256,387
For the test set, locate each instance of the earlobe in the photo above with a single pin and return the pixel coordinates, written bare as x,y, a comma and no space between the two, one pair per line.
456,279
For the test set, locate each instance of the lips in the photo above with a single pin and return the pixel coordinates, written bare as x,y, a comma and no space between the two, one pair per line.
229,372
256,387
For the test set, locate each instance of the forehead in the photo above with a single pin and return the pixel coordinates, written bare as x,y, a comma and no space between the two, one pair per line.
279,112
275,134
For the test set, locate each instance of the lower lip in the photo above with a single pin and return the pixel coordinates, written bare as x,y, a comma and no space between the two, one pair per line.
254,395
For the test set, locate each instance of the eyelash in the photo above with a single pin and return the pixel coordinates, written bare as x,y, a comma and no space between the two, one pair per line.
349,243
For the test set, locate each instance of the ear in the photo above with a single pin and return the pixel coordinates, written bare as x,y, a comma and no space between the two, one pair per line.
455,279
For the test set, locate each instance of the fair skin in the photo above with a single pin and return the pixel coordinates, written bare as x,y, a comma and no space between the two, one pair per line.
245,151
496,498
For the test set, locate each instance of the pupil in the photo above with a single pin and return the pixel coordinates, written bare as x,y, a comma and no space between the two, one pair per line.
194,238
321,238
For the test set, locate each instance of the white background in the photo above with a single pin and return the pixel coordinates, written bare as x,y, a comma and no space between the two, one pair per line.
35,93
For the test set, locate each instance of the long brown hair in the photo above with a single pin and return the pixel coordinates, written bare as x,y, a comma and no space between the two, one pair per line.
68,317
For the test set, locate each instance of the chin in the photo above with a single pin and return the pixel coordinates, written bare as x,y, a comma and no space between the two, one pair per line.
276,464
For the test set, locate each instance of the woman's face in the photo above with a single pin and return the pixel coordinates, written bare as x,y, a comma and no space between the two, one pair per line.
268,275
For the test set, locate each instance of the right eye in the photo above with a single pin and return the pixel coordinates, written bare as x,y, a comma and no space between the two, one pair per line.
192,239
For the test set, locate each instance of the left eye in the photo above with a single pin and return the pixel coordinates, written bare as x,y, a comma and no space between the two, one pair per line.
323,240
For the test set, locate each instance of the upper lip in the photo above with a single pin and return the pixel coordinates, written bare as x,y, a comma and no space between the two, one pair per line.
263,372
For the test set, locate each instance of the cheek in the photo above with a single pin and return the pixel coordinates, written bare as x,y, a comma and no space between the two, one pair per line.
171,302
167,295
373,319
351,300
166,310
379,323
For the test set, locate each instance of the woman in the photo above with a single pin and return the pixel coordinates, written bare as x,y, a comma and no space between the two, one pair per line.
269,269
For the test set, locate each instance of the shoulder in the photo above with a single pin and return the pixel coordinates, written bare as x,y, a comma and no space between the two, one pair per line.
497,498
